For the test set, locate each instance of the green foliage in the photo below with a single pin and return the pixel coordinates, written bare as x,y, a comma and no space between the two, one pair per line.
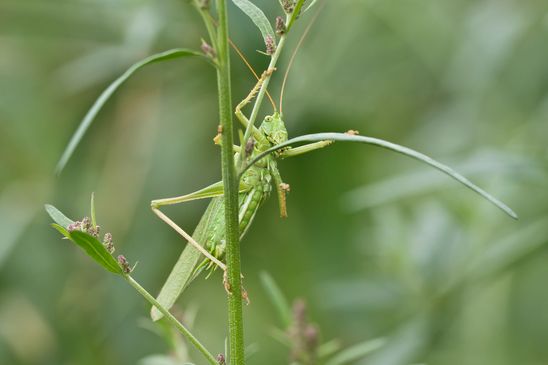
310,5
109,91
91,246
258,18
95,250
57,216
415,260
356,352
344,137
277,298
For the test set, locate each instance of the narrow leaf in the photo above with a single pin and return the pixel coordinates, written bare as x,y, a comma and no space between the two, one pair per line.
312,3
96,251
184,270
357,352
92,247
92,203
511,251
109,91
57,216
277,298
61,230
329,348
343,137
257,16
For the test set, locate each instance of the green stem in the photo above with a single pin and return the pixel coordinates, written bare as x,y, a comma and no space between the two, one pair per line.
208,22
262,92
295,14
235,317
180,327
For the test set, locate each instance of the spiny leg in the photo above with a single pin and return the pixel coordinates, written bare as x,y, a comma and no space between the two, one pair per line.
238,111
296,151
282,189
189,238
211,191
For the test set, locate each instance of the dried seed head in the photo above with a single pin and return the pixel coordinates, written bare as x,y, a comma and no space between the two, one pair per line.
280,25
311,337
270,45
86,224
221,359
288,5
107,242
304,336
74,226
208,50
124,264
299,313
94,231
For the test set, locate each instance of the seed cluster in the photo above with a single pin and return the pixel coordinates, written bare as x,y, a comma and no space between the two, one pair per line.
280,26
270,45
288,5
304,335
86,226
221,359
124,264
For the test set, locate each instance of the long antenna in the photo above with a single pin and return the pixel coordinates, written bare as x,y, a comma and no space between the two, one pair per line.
299,44
246,62
240,53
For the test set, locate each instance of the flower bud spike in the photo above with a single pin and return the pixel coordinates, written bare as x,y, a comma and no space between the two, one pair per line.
270,45
280,26
221,359
288,6
124,264
107,242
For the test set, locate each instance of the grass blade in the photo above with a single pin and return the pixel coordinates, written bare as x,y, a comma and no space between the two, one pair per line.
108,92
277,298
356,352
184,270
57,216
257,16
312,3
94,249
343,137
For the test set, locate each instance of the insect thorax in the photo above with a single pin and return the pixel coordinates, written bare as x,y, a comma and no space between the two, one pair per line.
273,127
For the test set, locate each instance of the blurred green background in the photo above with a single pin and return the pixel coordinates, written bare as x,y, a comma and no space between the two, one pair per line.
378,244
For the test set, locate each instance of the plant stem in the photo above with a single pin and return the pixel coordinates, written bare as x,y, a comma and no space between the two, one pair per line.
180,327
262,92
235,317
208,22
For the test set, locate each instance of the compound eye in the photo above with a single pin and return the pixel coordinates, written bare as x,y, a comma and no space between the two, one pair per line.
268,119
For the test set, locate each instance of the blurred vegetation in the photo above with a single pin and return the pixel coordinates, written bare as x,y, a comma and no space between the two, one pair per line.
379,245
